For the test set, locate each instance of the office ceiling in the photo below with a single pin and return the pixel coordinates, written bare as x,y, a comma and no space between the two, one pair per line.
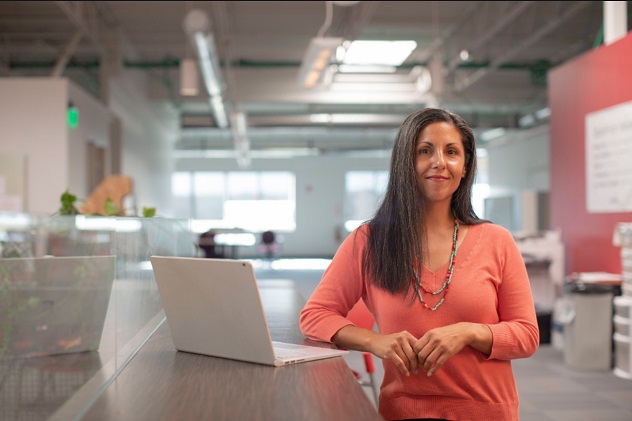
261,44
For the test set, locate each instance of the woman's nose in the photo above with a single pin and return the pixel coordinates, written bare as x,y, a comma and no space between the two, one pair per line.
438,160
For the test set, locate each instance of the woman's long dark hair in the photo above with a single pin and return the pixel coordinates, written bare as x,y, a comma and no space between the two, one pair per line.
397,230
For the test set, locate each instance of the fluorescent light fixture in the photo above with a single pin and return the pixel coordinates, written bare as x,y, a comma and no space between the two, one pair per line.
385,53
543,113
493,134
219,112
240,138
272,153
526,120
316,60
385,119
354,68
210,72
210,75
188,77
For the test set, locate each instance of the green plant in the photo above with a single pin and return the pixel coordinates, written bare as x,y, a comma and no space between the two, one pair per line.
111,209
69,200
68,204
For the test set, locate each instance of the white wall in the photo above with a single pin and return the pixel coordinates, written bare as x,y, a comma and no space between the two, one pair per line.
319,196
149,132
518,163
94,126
33,125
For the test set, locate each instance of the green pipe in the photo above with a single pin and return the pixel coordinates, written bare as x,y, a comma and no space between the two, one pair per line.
175,63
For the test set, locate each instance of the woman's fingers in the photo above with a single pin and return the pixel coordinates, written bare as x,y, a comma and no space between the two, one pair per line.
437,346
399,349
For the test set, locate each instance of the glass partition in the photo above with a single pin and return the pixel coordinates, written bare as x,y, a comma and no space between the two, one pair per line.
53,274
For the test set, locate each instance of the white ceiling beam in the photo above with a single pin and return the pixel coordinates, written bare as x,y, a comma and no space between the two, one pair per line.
76,13
515,50
506,19
438,42
61,63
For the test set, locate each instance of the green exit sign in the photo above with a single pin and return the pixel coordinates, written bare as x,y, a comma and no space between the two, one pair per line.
72,117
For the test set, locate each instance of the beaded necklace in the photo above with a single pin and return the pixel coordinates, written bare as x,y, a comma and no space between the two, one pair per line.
448,278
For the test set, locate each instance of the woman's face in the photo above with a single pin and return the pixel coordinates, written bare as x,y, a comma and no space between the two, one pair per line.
439,161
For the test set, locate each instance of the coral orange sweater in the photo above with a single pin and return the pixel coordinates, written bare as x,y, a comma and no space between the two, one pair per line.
489,285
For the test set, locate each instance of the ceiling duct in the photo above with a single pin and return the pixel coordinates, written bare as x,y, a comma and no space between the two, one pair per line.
196,25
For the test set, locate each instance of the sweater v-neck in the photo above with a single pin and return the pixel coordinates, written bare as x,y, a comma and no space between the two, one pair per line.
463,250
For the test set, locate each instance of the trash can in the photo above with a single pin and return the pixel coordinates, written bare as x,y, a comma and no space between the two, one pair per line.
588,326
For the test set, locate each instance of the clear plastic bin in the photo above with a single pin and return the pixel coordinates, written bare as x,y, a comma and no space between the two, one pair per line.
621,326
622,306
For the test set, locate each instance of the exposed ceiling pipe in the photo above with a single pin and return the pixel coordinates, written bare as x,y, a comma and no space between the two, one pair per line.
437,43
503,58
519,7
196,25
240,138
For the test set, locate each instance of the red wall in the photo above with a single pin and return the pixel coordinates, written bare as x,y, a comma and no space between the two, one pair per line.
596,80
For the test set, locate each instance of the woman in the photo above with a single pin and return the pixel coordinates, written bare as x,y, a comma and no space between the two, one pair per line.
449,292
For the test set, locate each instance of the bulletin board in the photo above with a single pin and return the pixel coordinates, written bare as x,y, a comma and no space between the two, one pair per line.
609,159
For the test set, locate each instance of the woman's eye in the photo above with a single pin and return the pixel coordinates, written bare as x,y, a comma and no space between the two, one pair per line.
424,151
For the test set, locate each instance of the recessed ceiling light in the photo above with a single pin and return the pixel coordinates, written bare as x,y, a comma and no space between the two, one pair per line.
385,53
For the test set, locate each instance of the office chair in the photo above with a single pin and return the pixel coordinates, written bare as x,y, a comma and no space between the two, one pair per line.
269,244
360,316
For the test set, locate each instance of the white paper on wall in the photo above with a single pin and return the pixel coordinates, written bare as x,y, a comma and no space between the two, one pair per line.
609,159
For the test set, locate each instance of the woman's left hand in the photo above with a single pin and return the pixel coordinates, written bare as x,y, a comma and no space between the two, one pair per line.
438,345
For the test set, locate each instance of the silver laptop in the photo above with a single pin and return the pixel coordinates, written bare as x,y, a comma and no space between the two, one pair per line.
213,307
54,305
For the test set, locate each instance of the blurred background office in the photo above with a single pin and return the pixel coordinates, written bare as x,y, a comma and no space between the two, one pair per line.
253,117
267,115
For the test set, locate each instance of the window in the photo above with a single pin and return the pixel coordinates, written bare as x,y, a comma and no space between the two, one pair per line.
364,191
253,201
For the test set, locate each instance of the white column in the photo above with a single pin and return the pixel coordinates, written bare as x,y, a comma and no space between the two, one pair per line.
615,21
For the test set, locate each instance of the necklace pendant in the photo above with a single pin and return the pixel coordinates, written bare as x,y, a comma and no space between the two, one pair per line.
448,278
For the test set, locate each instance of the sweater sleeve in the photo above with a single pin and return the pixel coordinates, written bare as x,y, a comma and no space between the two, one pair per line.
517,333
340,288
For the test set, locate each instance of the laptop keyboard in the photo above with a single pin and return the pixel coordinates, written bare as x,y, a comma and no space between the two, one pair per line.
285,354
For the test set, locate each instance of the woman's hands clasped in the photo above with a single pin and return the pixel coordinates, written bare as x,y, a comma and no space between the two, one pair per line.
433,349
398,348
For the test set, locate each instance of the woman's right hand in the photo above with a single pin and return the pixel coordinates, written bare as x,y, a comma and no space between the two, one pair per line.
398,348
